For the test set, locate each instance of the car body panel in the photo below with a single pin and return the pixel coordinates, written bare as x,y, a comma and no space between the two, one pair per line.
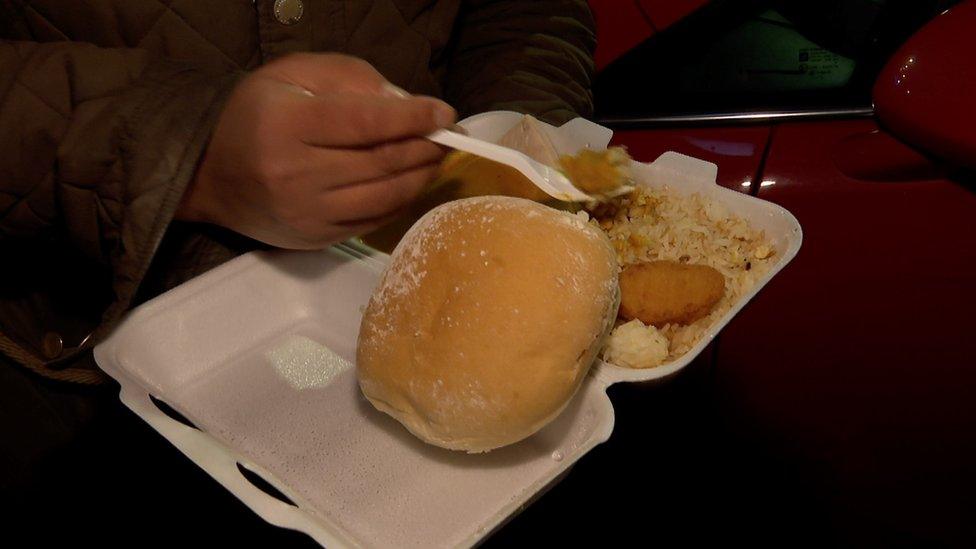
846,391
858,359
664,13
925,93
620,25
736,151
623,24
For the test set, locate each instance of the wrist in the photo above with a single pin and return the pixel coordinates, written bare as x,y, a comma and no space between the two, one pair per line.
193,206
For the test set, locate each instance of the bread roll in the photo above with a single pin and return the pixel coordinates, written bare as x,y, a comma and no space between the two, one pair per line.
486,321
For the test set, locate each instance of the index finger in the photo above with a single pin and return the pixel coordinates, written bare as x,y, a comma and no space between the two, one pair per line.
322,73
351,120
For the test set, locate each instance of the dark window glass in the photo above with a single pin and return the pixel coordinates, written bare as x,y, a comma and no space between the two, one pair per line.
753,57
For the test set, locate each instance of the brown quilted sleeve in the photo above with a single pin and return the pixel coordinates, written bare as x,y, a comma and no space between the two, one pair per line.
532,57
98,146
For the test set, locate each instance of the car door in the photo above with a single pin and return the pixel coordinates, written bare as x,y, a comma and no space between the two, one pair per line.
838,406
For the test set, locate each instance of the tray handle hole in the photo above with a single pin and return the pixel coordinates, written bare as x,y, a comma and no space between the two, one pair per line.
171,413
263,485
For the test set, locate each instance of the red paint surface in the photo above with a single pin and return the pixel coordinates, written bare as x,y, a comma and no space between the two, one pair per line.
620,25
925,94
877,156
736,151
664,13
857,364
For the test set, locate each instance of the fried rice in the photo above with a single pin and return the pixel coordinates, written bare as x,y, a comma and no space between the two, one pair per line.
662,224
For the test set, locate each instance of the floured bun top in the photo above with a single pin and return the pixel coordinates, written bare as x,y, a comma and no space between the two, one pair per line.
486,321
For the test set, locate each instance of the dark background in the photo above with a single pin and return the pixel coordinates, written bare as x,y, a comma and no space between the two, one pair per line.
679,469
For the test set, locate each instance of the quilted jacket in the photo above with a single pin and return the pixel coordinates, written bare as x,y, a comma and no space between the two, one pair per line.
107,105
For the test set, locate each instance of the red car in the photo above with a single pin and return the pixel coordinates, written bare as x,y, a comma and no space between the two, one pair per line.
838,408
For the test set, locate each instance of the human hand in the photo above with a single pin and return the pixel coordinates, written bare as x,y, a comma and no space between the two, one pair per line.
312,149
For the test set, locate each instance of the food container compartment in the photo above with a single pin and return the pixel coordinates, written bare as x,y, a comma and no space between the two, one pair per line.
354,476
687,175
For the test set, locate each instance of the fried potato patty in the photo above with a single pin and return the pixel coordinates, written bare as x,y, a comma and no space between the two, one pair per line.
668,292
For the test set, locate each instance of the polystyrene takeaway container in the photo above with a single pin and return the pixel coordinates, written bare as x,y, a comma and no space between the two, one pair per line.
258,354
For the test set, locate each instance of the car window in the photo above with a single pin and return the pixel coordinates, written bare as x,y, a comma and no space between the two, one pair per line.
741,58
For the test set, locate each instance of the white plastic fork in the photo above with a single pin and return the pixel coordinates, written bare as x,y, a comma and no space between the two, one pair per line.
550,180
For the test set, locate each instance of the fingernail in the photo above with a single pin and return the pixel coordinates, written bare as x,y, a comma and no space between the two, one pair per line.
444,115
395,91
303,91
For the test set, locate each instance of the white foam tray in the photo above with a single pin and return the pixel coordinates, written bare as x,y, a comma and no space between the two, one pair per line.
357,478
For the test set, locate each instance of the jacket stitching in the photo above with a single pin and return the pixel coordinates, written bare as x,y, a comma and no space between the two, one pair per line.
42,99
31,209
205,39
155,23
10,209
30,8
24,62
